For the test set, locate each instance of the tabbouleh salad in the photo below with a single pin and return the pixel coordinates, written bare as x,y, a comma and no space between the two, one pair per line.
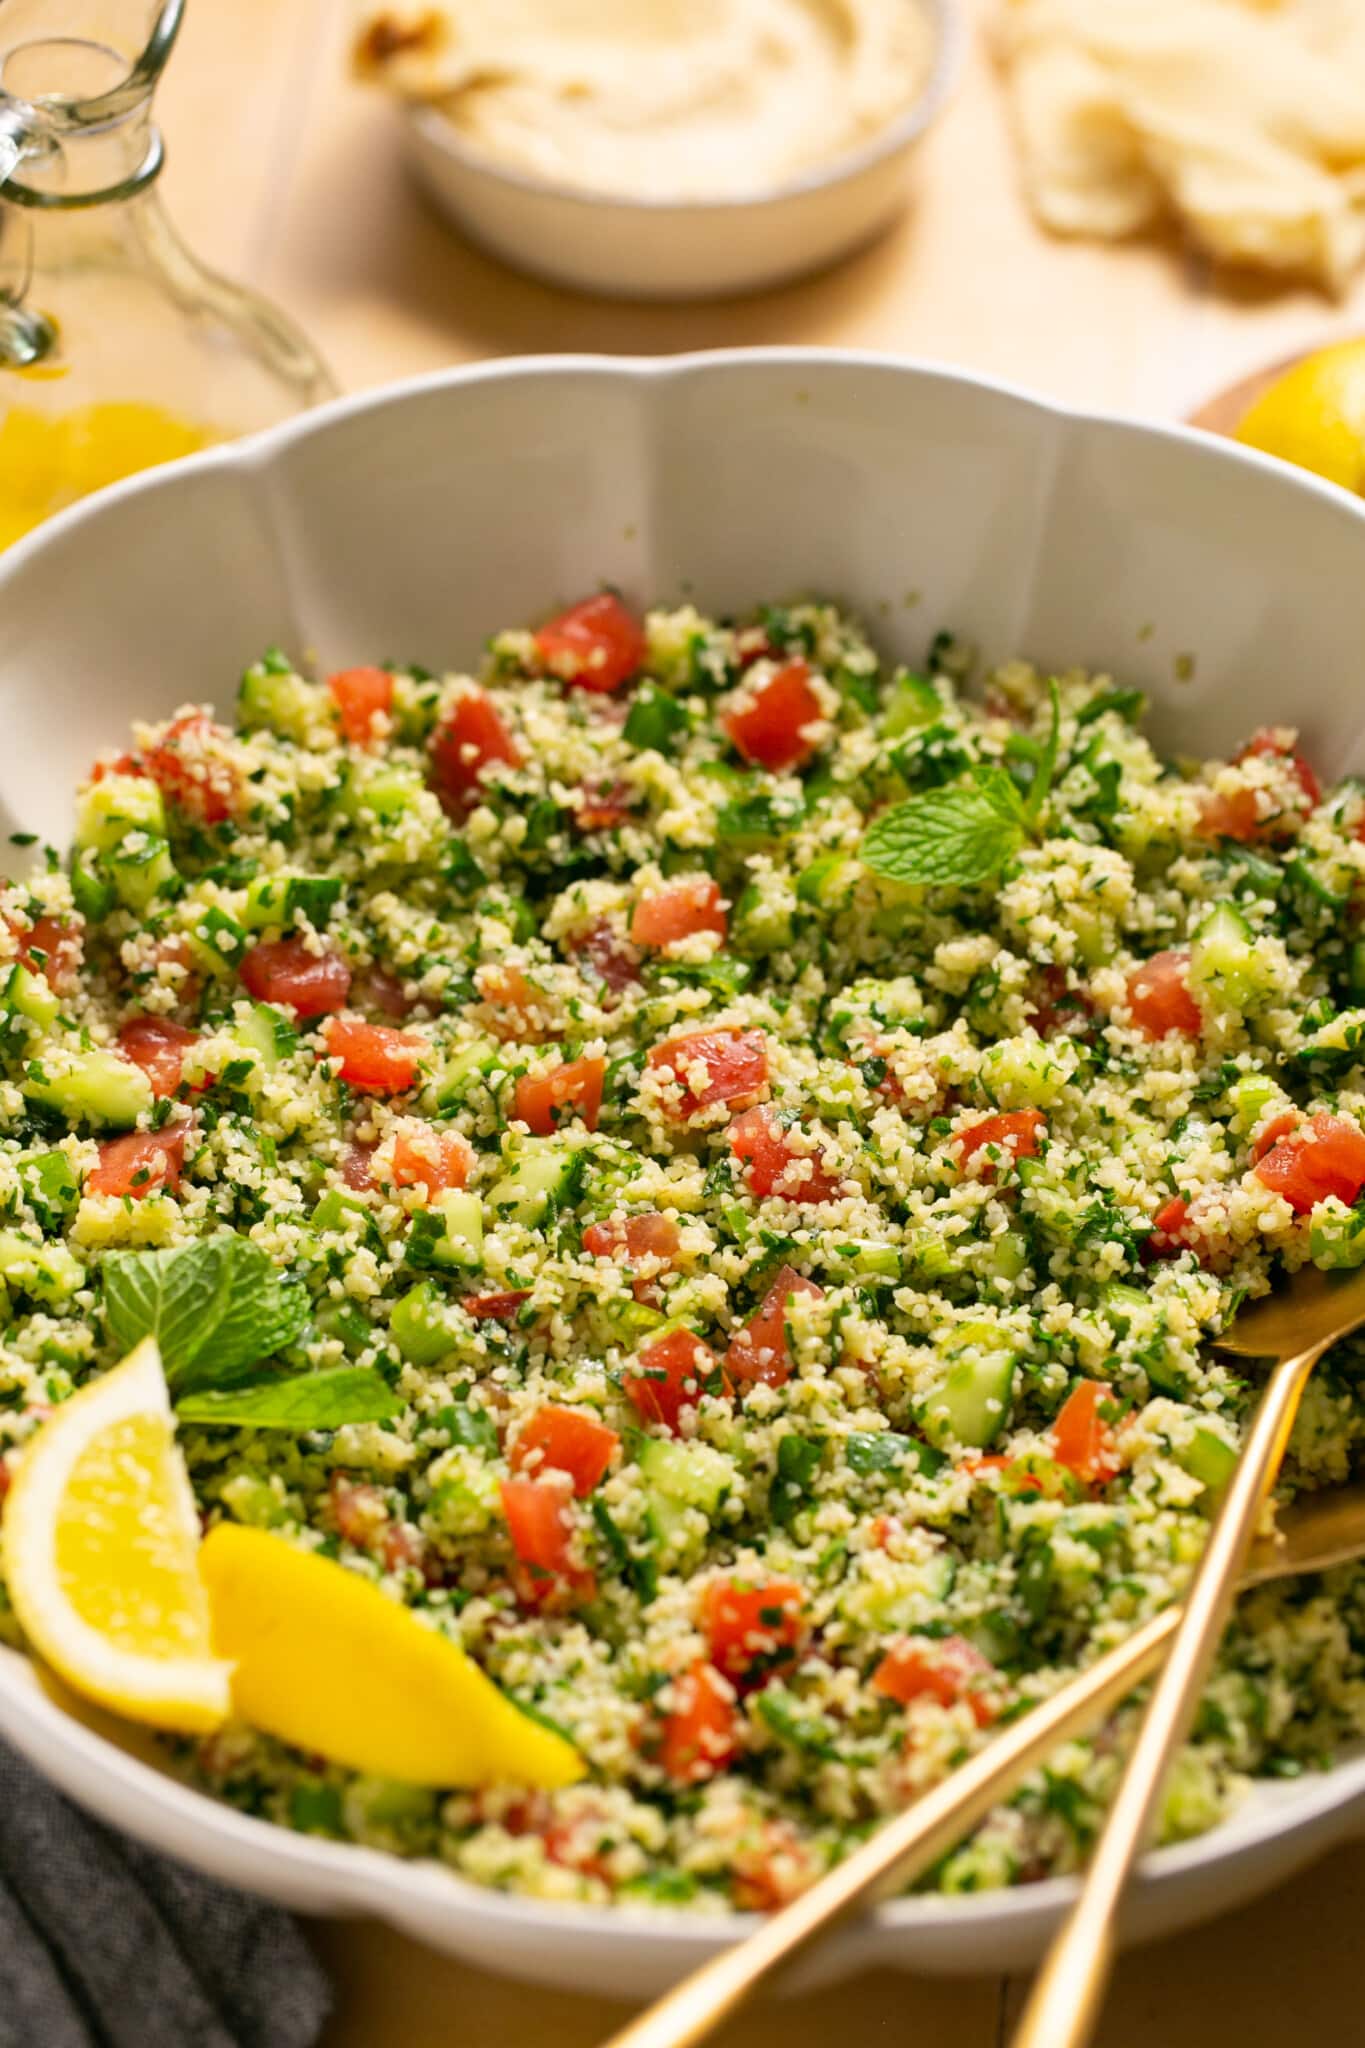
746,1146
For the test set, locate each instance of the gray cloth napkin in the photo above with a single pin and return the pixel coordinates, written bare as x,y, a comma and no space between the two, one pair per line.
105,1945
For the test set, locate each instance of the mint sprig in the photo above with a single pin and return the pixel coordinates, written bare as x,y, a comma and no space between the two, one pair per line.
961,836
217,1308
297,1401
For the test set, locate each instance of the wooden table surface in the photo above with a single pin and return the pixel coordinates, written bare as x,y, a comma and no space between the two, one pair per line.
285,173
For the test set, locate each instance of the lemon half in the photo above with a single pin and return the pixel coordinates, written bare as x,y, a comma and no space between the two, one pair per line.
101,1542
1314,416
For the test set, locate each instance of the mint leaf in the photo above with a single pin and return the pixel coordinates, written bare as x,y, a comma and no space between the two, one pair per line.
948,838
215,1308
297,1401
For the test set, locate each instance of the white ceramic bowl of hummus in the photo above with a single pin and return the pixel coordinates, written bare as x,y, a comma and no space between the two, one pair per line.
690,167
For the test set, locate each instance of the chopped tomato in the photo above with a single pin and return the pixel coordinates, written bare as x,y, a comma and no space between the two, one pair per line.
374,1058
1159,995
495,1308
691,904
714,1066
942,1668
118,764
753,1631
513,1001
1082,1439
286,972
356,1163
52,947
759,1350
375,989
699,1730
570,1440
541,1525
364,699
595,645
1278,1127
432,1160
402,1548
471,739
1272,740
1324,1157
158,1046
773,1164
1015,1133
653,1238
1058,1009
612,959
1172,1231
771,1866
639,1237
1231,814
545,1101
768,722
672,1374
602,806
358,1509
189,765
142,1163
1021,1480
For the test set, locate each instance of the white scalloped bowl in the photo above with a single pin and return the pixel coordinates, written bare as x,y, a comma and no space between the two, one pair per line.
413,522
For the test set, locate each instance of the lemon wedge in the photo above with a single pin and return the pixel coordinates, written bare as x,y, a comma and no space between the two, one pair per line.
324,1660
101,1547
1315,416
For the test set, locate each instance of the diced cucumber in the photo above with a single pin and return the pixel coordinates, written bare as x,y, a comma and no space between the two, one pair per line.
218,943
447,1235
115,806
972,1406
25,994
49,1272
679,1478
253,1500
423,1325
272,698
1336,1238
928,1257
463,1071
885,1450
1119,1304
762,922
655,720
1226,963
384,793
139,868
92,892
911,701
51,1187
98,1088
1207,1457
541,1177
863,1260
281,897
339,1211
1249,1097
828,882
901,1594
268,1033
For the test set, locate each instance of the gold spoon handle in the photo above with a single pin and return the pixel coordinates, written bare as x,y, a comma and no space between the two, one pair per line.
902,1849
1069,1991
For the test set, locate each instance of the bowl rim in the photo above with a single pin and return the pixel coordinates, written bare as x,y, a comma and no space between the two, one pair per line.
172,1814
950,43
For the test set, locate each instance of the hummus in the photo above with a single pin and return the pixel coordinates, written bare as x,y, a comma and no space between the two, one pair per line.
657,99
1244,120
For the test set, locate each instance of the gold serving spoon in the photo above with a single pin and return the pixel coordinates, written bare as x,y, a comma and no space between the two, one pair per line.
1324,1529
1293,1326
